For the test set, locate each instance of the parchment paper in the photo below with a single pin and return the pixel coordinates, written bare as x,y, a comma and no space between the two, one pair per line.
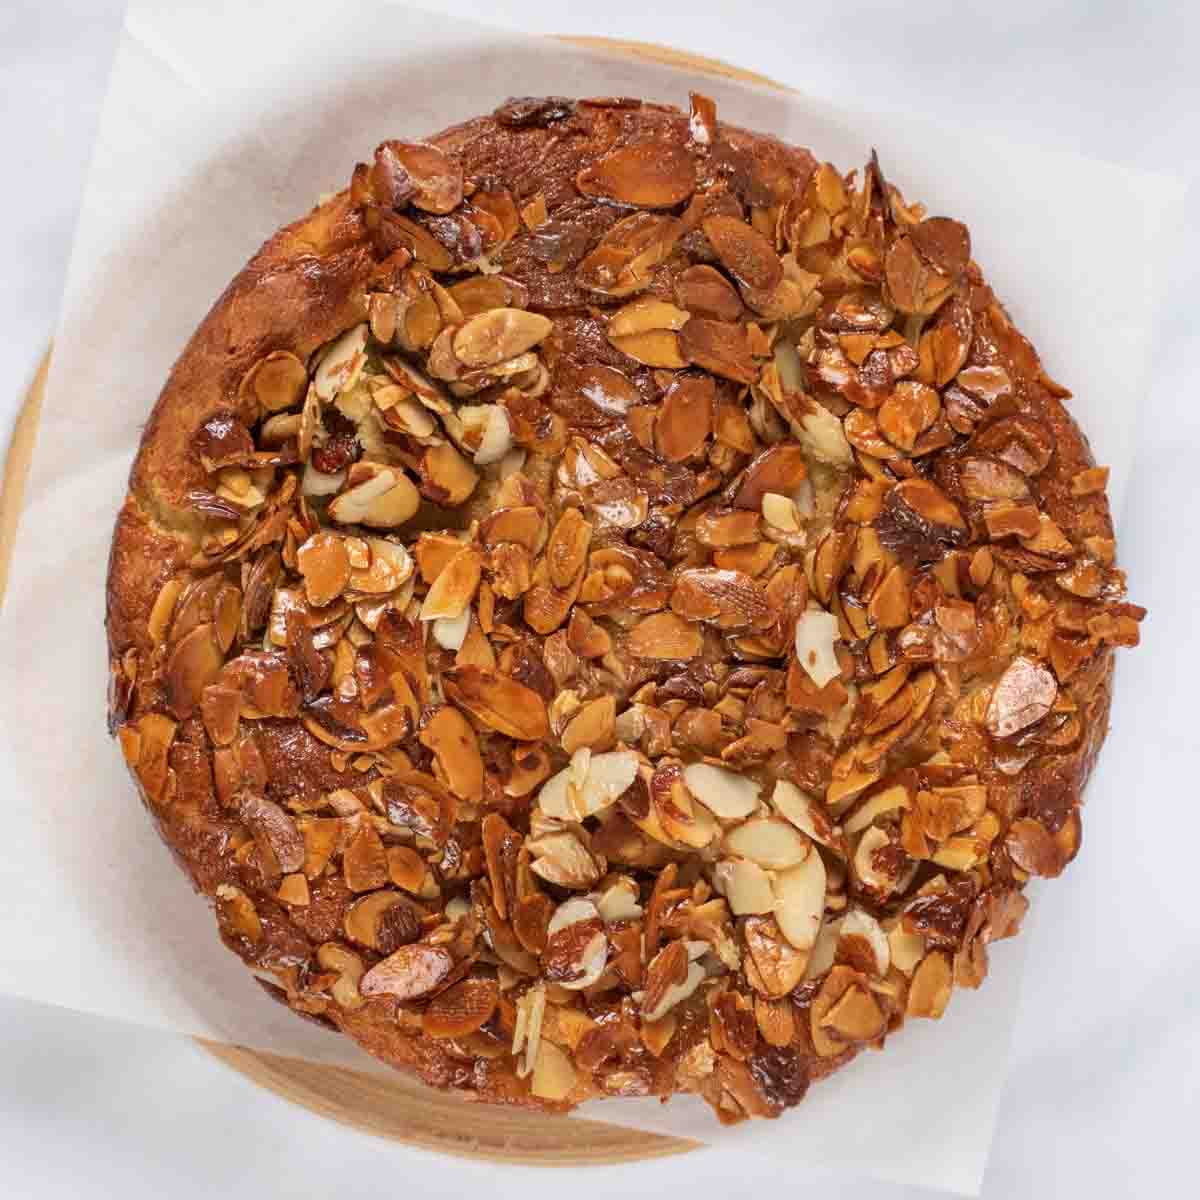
222,123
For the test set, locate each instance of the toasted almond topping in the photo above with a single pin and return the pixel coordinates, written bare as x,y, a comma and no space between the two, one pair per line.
665,636
816,632
769,842
806,813
499,334
341,364
799,901
1024,694
554,1075
932,983
455,586
576,951
724,793
745,885
277,381
646,174
411,973
417,173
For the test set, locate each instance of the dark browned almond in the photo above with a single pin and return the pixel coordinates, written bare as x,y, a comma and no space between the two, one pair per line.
744,252
646,174
729,598
943,243
194,663
704,292
271,824
416,173
1020,441
686,417
720,527
625,258
567,548
777,469
461,1009
719,347
930,503
499,702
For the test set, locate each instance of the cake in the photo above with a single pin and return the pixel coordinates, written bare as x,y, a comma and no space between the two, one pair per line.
610,605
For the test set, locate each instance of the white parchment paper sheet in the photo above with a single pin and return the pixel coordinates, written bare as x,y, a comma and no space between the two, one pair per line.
226,121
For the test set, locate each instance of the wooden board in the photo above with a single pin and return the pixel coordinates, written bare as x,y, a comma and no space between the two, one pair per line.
401,1108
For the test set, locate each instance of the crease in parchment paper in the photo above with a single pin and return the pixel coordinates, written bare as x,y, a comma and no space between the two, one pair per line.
211,138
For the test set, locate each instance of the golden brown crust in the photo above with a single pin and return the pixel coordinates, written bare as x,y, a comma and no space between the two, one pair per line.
997,519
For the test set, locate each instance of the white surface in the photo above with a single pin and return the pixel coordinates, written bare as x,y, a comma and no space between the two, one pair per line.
1103,1090
185,116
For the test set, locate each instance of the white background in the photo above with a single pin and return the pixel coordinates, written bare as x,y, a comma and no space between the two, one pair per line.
1102,1099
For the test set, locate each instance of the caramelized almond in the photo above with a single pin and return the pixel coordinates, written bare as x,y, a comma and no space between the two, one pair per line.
647,174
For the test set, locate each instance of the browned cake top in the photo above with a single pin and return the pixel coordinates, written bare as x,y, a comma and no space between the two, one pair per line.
608,605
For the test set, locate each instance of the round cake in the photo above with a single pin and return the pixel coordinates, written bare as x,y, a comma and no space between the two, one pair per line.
608,605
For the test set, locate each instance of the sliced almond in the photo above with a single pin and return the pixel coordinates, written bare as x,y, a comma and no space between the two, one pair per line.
341,363
592,725
384,499
411,973
799,906
645,314
619,900
446,477
806,813
667,986
277,381
769,842
627,254
462,1009
554,1075
816,633
388,567
653,348
419,174
323,562
703,291
863,944
456,748
744,252
1024,694
745,885
451,632
685,418
657,174
778,966
608,776
665,636
561,859
576,950
932,983
499,334
486,430
194,663
724,793
455,587
722,348
500,702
